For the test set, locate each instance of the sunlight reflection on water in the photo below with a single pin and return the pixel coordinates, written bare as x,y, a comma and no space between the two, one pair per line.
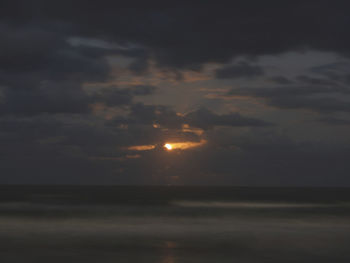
168,256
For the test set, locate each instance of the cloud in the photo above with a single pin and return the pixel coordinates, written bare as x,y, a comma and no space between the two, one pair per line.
281,80
240,70
141,147
113,96
50,99
206,119
269,158
142,90
315,104
54,98
187,36
318,97
165,117
154,114
30,55
337,72
67,149
334,121
40,72
316,81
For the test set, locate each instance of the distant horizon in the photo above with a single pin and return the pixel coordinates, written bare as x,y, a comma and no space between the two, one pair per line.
174,185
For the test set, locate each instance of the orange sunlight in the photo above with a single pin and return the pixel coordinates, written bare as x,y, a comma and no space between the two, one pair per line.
168,146
183,145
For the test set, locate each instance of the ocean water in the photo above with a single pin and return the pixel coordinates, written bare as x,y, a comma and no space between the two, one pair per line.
174,224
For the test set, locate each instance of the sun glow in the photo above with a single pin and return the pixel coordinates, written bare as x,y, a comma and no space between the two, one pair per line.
141,147
183,145
168,146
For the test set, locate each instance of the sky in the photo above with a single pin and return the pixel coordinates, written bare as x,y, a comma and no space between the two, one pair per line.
251,93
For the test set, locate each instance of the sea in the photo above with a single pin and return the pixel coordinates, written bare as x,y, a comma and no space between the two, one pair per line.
173,224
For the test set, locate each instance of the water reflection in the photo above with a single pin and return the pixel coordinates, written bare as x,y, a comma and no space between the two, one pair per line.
169,251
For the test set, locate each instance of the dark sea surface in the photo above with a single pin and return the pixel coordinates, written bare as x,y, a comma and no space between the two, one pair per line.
173,224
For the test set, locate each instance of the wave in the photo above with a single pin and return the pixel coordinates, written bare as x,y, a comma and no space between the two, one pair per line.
223,204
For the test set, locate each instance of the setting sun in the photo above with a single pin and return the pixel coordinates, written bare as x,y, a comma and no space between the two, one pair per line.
168,146
184,145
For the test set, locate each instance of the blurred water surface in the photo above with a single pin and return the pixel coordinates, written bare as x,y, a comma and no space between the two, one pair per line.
173,224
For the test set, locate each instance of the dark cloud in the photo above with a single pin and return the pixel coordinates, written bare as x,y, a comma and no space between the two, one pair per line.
139,66
335,72
281,80
288,91
260,159
206,119
67,149
143,89
334,121
70,149
331,67
268,158
56,98
113,96
201,118
315,104
48,100
187,36
323,98
316,81
34,55
240,70
40,72
155,114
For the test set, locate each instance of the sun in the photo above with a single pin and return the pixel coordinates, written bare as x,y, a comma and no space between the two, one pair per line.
168,146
